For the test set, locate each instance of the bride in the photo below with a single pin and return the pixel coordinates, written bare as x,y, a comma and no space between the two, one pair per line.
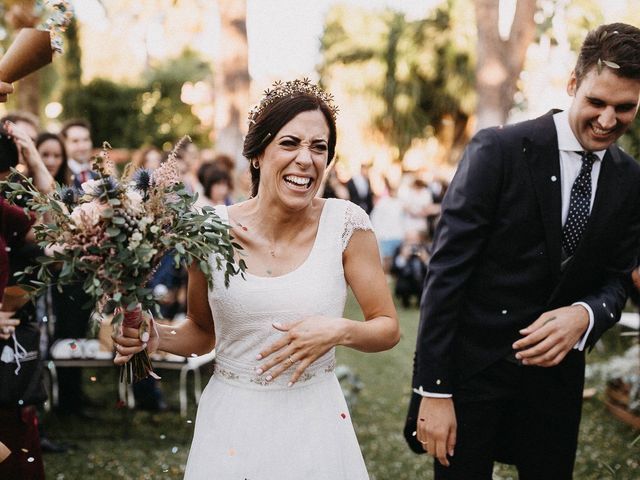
273,409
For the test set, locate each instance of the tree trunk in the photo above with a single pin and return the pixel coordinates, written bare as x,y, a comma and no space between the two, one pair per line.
500,62
27,96
231,79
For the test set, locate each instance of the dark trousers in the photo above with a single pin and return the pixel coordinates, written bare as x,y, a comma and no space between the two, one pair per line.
525,416
19,432
72,321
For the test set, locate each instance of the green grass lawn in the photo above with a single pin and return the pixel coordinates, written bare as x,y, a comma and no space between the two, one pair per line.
140,445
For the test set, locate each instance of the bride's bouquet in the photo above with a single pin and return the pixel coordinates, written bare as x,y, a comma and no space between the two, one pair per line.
112,234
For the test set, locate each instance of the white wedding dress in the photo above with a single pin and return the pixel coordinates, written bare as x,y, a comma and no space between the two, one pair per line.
249,429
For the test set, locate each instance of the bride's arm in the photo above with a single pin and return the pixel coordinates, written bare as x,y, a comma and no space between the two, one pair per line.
364,274
194,335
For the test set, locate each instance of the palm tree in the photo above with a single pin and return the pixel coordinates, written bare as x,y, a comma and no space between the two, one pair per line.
419,78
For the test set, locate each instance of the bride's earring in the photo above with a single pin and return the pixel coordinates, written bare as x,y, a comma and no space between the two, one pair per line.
255,164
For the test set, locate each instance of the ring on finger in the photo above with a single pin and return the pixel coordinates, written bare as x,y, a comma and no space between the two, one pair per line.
291,360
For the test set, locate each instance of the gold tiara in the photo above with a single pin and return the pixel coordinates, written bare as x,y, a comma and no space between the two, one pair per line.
281,89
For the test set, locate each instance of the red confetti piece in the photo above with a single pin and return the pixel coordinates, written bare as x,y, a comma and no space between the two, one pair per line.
343,415
120,404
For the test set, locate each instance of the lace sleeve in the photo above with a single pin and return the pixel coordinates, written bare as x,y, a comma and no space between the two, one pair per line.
355,218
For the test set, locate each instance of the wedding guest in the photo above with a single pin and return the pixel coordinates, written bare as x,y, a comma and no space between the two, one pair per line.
54,156
273,407
148,157
20,454
76,134
72,317
417,201
531,259
387,218
217,186
333,187
41,157
28,153
189,157
409,267
359,189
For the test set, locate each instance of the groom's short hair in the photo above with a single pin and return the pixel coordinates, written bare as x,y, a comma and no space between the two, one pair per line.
608,46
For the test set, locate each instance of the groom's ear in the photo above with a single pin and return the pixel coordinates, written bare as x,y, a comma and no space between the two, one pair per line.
572,85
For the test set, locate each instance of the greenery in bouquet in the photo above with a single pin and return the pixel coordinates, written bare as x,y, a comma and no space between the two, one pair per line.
112,234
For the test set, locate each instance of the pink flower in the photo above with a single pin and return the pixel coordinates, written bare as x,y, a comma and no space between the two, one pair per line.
86,215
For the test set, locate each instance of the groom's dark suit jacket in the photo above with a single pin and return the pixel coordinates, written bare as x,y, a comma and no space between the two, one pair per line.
496,264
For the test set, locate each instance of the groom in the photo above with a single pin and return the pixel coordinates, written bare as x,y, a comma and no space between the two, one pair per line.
538,234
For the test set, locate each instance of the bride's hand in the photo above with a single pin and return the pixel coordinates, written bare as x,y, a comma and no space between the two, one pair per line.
303,343
129,341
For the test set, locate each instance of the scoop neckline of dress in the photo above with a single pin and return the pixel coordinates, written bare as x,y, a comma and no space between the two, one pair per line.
306,260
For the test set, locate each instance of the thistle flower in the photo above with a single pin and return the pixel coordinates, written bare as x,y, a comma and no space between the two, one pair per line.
68,196
142,179
104,189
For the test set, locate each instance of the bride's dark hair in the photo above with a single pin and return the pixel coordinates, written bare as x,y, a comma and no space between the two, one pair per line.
270,121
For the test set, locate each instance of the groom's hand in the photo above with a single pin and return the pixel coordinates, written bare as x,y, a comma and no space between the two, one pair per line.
436,428
548,340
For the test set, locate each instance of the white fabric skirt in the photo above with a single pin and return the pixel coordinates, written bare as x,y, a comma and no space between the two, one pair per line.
252,432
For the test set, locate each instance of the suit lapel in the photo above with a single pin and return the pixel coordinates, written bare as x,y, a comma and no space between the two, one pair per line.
541,154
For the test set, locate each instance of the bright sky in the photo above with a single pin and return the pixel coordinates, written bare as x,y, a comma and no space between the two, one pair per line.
284,35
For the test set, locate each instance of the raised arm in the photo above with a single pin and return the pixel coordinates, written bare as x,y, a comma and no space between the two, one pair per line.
42,179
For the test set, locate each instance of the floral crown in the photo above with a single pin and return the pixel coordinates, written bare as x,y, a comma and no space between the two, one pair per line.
281,89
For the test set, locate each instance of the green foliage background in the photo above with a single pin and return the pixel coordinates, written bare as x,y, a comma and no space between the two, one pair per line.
129,116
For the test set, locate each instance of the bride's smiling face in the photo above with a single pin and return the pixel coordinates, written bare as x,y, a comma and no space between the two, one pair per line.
292,165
